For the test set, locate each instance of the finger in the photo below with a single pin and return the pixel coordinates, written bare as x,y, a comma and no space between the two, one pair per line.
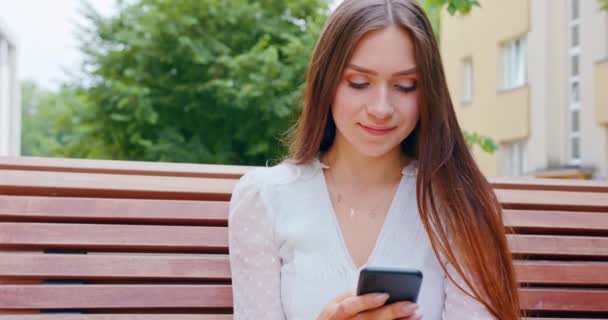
351,306
343,296
396,310
330,311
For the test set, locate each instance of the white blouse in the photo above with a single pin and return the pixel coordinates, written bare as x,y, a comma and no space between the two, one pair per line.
289,259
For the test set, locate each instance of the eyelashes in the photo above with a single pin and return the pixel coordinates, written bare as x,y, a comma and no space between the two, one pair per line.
363,85
358,85
406,88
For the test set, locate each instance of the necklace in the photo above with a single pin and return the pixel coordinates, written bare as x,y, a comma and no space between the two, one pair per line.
352,211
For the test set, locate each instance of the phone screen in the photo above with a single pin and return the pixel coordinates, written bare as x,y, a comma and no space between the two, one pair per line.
401,284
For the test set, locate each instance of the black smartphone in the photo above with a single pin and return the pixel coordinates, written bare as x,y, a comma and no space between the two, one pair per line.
401,284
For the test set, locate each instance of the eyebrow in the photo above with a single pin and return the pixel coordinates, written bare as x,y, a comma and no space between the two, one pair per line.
399,73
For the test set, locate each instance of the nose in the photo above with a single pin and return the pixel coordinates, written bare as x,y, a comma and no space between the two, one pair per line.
380,107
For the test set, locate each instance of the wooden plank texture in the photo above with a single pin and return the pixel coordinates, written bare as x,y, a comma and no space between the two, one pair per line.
123,167
114,237
553,299
115,266
115,296
30,208
42,183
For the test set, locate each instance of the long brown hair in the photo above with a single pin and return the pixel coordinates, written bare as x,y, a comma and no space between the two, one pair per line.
456,203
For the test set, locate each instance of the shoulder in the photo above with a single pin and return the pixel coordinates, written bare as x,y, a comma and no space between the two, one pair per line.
261,187
284,173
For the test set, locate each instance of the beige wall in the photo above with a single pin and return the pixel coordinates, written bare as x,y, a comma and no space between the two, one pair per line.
503,116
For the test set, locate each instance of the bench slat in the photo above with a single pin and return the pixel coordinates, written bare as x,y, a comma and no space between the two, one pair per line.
73,184
200,212
115,296
519,183
114,266
562,272
123,167
114,237
555,222
558,246
554,299
109,266
553,200
200,239
220,296
26,208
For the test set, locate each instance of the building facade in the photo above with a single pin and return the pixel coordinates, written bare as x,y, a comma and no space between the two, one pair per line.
10,105
532,75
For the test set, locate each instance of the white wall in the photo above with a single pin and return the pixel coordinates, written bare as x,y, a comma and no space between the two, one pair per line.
594,138
10,105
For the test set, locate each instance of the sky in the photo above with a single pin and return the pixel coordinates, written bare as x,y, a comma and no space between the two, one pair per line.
45,32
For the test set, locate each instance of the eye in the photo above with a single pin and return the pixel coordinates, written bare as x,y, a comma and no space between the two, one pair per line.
358,85
406,87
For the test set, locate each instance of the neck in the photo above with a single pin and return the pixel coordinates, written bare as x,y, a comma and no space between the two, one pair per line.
351,167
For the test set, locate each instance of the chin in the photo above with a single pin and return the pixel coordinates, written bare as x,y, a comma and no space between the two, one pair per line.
374,151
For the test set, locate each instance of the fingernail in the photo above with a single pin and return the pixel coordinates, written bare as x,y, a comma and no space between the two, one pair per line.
409,307
381,297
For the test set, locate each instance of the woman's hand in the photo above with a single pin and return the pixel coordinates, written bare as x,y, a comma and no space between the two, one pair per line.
349,306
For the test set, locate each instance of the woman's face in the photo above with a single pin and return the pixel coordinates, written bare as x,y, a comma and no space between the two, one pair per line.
376,103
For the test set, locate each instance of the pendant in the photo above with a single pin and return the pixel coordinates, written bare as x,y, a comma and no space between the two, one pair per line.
352,213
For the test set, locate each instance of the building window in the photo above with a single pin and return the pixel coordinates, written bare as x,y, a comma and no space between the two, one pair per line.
514,159
467,81
514,67
575,149
574,105
574,62
575,121
575,96
574,134
574,36
574,9
3,52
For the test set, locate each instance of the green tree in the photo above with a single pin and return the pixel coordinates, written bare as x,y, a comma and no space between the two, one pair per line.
453,6
196,81
49,123
604,4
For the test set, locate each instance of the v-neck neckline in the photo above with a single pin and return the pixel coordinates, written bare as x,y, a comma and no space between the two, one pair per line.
338,229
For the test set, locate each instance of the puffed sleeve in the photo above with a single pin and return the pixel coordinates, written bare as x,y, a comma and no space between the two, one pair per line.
459,305
254,260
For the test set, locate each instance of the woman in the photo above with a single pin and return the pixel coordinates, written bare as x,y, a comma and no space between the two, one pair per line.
378,175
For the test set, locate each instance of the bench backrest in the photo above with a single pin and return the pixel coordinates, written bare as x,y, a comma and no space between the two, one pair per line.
115,239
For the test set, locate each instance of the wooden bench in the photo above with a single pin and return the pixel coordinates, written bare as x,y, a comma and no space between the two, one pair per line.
113,240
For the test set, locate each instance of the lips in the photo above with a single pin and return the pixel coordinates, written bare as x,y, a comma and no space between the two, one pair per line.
377,131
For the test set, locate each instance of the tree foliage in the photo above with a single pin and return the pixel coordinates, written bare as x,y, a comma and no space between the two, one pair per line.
197,81
49,120
463,7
